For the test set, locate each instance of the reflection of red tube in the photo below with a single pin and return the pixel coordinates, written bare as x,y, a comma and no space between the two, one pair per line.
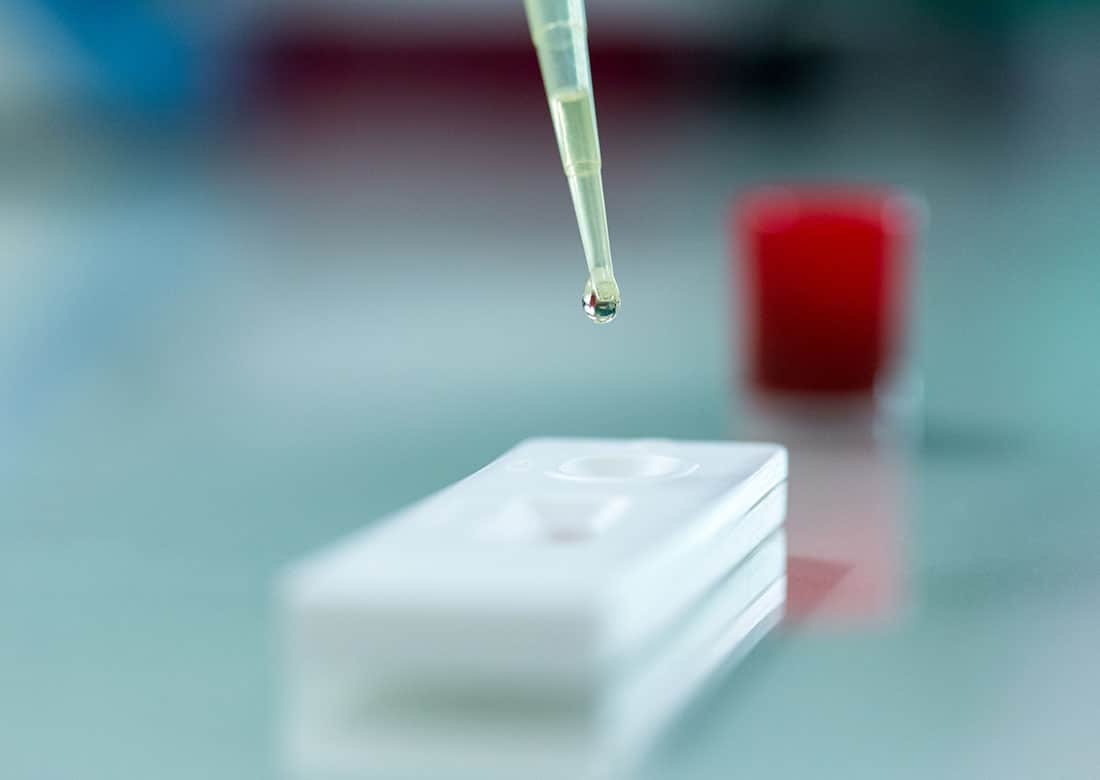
847,505
824,274
847,511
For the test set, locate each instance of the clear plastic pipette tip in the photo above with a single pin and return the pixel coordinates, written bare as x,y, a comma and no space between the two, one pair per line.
559,32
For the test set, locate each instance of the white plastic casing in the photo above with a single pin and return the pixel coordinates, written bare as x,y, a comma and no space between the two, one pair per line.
544,577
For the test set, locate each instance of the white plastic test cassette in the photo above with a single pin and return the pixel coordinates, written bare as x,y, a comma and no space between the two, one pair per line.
595,580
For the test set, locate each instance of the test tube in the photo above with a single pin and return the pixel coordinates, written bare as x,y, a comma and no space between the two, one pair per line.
825,280
559,31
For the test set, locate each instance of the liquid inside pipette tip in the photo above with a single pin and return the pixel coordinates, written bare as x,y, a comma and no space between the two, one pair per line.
600,306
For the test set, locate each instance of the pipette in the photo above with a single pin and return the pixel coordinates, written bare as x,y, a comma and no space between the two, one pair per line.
559,31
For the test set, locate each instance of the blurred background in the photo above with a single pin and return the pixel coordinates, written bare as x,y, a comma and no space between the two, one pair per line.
271,270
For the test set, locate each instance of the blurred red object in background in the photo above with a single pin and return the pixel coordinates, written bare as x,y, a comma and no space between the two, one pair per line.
826,275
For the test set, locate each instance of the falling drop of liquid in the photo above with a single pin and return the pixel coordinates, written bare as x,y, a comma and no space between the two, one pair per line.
601,305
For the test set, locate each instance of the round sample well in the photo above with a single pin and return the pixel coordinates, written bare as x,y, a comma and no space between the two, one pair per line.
625,467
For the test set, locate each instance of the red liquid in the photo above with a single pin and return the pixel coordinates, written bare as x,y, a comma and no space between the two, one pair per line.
825,274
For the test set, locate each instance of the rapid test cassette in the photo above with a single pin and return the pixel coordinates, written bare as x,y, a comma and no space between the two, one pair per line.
552,610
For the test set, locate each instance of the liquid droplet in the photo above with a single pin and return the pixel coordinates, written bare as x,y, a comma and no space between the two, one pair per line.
600,309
